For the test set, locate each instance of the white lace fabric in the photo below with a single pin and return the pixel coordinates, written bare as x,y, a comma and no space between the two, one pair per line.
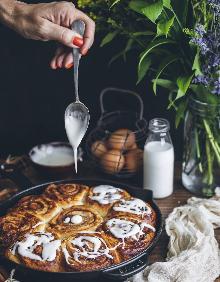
193,252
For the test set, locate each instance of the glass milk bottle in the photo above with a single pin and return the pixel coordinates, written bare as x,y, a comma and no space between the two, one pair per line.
159,159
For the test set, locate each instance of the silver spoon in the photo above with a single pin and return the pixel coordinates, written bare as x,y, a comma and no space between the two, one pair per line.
77,114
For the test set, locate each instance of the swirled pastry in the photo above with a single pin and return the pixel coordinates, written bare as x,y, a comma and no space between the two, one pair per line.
72,227
132,236
89,251
67,195
38,251
16,224
40,206
73,220
134,208
102,197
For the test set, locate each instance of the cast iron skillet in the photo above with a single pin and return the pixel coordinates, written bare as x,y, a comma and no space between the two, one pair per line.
117,272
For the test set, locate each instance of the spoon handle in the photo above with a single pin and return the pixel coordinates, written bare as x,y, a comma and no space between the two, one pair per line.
76,59
79,27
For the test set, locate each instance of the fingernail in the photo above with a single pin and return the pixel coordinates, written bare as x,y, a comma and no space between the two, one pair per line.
84,52
68,66
77,41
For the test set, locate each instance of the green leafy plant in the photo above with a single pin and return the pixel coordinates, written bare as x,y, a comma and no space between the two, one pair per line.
156,30
177,45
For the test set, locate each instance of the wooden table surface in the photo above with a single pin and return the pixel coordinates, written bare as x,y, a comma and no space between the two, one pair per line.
87,170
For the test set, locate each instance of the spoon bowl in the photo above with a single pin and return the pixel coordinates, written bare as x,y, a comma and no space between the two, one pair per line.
80,112
76,124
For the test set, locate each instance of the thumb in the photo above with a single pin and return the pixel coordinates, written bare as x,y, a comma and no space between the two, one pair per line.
64,35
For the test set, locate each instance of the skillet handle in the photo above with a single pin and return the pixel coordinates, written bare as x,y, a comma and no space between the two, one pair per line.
128,270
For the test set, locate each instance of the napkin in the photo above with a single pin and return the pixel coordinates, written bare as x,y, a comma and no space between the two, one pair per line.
193,252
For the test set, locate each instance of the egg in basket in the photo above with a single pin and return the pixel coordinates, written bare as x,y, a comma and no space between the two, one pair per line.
116,144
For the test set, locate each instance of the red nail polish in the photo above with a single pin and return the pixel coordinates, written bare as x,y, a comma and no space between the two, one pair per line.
77,41
69,66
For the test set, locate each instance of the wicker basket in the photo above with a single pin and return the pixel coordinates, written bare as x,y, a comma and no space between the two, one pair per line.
115,151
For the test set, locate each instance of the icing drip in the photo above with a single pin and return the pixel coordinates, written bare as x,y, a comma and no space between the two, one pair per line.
123,229
85,249
39,223
67,220
105,194
135,206
26,247
75,219
90,232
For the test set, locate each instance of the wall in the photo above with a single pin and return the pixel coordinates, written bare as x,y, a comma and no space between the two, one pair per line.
33,97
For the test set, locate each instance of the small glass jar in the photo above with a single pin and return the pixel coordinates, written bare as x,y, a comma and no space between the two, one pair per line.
201,158
159,159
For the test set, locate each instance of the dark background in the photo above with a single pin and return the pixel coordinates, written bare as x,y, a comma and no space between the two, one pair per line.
33,97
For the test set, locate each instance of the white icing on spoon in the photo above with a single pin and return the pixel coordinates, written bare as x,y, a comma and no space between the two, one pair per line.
75,125
27,246
86,250
75,219
105,194
135,206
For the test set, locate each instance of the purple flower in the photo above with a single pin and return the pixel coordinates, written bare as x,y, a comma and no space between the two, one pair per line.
214,60
200,29
212,40
208,44
201,79
201,43
214,3
216,87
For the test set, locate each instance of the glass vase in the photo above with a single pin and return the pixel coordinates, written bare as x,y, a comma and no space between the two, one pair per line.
201,158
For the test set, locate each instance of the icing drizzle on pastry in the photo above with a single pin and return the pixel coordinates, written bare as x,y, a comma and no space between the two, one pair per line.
105,194
134,205
27,246
75,219
89,247
39,223
123,229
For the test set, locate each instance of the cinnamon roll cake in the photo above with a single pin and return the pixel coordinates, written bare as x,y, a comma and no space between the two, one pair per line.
72,227
40,251
103,197
73,220
40,206
134,208
66,195
89,251
131,236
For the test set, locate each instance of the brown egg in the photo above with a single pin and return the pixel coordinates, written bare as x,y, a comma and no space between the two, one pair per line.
112,161
98,148
121,139
133,160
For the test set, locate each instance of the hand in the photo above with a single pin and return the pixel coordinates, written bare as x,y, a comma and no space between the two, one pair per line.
52,21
